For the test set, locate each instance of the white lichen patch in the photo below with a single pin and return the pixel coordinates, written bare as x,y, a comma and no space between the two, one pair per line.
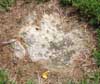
47,41
40,41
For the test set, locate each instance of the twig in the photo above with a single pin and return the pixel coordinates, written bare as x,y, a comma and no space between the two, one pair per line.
2,43
39,78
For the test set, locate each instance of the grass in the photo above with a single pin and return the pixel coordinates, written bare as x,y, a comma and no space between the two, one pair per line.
90,11
96,52
31,82
41,1
98,38
94,78
96,55
6,4
4,77
91,79
65,2
87,8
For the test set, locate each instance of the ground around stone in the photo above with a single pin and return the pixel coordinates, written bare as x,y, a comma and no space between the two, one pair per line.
69,32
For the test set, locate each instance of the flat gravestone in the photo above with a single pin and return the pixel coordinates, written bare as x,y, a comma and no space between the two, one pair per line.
48,42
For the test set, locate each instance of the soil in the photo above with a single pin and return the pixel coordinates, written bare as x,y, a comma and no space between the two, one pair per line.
25,69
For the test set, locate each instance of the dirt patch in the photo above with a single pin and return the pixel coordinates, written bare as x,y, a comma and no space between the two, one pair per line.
48,25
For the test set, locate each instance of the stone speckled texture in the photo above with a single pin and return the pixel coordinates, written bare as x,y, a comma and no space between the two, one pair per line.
48,41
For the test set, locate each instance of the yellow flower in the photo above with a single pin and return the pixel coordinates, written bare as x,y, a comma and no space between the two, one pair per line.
45,74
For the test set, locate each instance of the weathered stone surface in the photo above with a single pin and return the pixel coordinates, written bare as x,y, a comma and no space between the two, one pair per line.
48,42
19,50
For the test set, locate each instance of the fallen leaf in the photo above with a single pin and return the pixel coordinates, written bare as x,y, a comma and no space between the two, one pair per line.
45,74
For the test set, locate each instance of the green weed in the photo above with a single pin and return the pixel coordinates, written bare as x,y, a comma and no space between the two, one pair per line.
94,78
98,38
31,82
87,8
4,77
96,55
5,4
65,2
96,52
41,1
